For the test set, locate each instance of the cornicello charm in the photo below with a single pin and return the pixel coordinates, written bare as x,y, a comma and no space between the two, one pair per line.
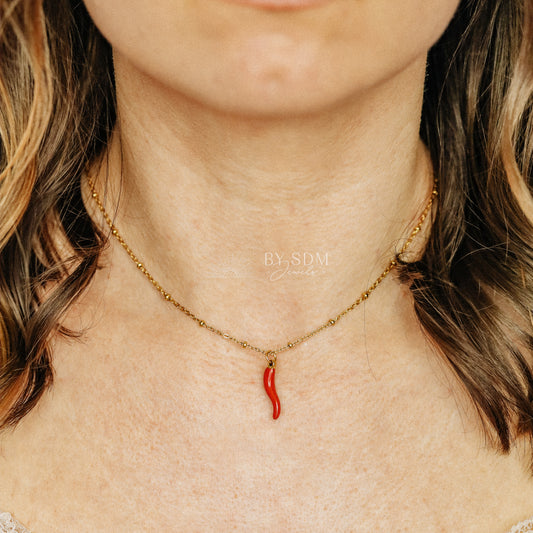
269,381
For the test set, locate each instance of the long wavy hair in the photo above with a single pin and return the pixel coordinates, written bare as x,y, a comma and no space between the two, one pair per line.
473,287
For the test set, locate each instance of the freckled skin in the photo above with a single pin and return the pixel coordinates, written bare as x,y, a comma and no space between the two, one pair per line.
135,435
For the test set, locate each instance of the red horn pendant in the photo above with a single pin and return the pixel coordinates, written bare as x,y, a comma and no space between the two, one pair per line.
270,387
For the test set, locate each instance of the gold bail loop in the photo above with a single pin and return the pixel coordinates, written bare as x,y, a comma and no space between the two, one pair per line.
271,358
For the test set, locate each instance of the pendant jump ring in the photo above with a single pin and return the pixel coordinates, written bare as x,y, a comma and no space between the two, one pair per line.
271,358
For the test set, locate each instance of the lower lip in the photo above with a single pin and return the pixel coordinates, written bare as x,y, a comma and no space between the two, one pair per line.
280,4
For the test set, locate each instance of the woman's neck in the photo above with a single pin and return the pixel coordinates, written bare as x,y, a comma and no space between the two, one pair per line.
301,212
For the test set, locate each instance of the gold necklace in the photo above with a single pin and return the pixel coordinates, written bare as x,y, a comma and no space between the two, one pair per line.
270,354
